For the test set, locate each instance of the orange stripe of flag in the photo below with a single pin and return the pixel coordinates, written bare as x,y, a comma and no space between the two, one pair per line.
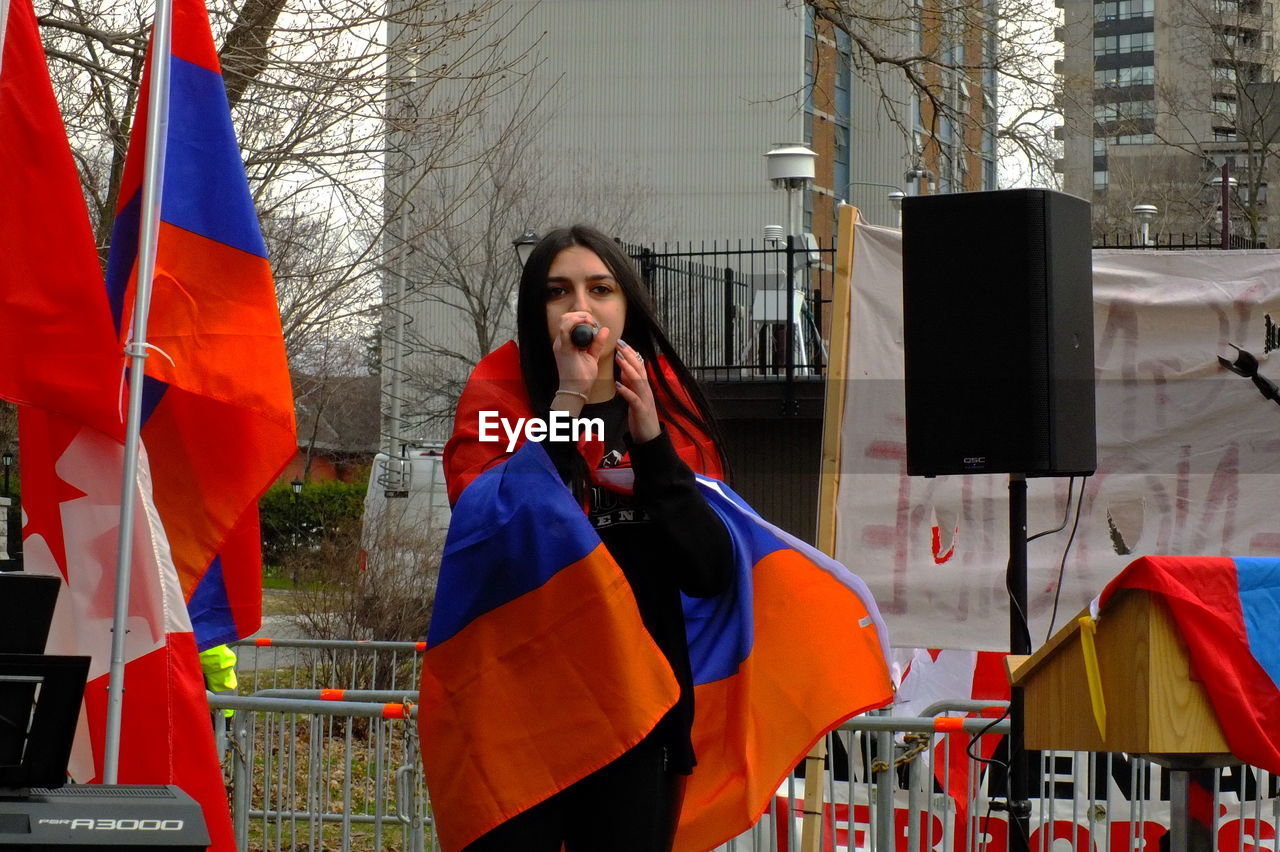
592,683
804,677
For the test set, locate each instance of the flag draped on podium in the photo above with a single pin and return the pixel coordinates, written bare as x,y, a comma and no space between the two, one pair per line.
1228,613
218,422
538,669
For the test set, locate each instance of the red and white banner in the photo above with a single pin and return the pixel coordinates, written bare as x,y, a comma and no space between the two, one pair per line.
1107,807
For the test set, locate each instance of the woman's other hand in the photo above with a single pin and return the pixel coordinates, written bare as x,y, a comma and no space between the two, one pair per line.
633,384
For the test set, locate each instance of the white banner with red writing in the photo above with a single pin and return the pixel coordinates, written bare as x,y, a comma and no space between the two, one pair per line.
1188,451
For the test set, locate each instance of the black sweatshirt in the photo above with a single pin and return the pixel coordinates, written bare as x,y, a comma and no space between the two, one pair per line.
667,540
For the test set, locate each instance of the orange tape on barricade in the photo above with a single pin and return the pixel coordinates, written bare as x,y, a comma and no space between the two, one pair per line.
262,643
949,724
332,694
395,711
420,647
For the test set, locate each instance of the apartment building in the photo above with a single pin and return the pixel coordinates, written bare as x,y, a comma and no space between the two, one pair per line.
1157,96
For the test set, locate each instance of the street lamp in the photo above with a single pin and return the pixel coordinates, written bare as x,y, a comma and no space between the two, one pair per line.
1224,184
791,167
524,246
7,458
895,196
296,485
1146,214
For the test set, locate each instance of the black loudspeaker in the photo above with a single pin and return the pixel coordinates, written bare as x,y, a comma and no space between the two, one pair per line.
997,298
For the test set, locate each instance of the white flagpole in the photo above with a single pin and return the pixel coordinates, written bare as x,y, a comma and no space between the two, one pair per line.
136,350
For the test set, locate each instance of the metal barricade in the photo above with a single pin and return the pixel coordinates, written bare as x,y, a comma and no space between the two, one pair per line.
903,784
314,767
320,663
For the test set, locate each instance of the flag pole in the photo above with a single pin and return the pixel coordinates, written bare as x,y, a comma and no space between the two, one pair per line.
136,350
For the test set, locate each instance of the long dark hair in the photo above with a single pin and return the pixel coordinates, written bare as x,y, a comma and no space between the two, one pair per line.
642,331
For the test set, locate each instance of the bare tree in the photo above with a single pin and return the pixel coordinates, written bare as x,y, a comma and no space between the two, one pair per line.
1151,177
311,92
1223,106
949,51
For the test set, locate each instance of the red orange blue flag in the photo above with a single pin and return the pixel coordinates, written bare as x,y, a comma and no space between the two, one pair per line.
1227,610
218,411
538,669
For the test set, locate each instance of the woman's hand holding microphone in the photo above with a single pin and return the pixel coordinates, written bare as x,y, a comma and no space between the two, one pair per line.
579,369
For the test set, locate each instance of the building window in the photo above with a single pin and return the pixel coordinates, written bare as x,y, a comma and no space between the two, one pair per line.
1225,109
1136,75
1135,139
840,164
1124,111
1125,43
1100,179
1119,10
1099,147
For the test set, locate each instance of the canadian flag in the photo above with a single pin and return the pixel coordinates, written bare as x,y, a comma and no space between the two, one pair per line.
71,478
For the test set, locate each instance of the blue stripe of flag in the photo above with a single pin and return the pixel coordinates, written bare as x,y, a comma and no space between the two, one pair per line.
211,620
124,251
512,530
721,630
1259,583
205,189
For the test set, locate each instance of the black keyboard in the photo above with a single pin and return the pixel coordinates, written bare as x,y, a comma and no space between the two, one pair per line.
90,816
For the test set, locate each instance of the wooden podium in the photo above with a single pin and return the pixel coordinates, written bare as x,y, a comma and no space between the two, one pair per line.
1154,707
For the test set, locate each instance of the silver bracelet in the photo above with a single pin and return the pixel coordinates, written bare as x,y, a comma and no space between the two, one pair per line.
575,393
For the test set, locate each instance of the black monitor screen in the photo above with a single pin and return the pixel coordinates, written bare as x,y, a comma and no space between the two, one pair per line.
26,611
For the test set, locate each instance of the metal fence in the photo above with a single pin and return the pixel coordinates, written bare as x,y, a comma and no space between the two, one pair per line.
322,750
744,311
1176,242
314,768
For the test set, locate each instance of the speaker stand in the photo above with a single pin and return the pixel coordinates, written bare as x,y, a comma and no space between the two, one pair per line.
1019,644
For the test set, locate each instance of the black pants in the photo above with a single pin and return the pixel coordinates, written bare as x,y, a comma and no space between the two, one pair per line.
629,805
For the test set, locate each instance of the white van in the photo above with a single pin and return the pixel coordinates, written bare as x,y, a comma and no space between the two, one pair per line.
406,507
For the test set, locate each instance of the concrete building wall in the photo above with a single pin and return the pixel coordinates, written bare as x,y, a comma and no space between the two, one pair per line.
678,99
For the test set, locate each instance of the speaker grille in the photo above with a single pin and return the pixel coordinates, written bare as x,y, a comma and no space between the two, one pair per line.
96,791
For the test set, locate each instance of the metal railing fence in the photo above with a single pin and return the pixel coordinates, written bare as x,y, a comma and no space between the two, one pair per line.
742,311
315,767
1176,242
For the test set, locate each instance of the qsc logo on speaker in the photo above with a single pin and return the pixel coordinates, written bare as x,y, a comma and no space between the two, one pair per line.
974,462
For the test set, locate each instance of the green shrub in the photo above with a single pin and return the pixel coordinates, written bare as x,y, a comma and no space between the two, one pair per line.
292,523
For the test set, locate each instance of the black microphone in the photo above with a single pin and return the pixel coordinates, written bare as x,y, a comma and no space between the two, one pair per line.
582,334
